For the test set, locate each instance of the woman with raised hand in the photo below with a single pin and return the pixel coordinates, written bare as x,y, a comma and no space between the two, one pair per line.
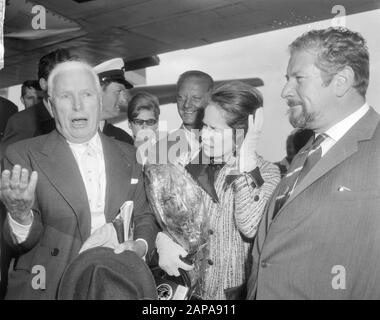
236,183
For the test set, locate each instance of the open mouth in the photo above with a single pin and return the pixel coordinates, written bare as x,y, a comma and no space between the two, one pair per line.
79,122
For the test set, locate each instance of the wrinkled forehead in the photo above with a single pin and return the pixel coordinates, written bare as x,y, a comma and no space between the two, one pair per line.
74,80
301,61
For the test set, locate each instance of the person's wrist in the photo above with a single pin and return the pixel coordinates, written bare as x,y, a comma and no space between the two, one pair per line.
247,161
24,218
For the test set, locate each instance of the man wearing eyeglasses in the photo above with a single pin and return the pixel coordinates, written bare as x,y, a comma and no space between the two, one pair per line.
115,98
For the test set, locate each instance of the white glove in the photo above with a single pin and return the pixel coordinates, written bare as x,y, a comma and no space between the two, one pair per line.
169,253
247,153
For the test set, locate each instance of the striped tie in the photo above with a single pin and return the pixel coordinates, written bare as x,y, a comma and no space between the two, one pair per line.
299,168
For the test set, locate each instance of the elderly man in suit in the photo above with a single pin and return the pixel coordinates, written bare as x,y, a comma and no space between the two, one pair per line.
319,237
79,180
31,122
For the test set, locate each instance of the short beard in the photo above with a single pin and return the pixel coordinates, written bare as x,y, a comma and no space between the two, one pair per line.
300,120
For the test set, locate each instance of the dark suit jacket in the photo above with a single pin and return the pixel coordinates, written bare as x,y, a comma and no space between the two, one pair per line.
117,133
28,123
61,211
7,109
328,232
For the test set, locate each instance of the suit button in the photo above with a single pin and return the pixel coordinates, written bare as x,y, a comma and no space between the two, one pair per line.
210,262
210,231
264,264
256,198
54,252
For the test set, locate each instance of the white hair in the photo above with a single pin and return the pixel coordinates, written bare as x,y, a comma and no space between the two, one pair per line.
69,66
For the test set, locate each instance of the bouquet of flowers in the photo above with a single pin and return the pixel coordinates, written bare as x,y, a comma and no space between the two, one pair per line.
177,202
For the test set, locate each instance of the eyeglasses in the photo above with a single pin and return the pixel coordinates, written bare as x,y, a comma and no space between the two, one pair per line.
140,122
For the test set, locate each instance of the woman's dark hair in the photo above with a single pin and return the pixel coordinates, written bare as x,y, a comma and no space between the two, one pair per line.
238,100
143,101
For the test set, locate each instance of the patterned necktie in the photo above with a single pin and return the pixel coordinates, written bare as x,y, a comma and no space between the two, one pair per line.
314,155
301,166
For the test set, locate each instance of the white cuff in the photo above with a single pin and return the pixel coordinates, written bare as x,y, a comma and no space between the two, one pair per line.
20,231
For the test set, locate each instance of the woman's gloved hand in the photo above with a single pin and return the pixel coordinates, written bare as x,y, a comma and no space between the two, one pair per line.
169,254
247,154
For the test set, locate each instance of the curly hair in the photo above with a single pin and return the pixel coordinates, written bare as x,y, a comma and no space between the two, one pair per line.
336,48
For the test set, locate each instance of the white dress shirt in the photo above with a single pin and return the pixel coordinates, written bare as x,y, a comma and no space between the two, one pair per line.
336,132
90,160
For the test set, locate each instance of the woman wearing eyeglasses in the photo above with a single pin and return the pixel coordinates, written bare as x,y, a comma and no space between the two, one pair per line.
143,115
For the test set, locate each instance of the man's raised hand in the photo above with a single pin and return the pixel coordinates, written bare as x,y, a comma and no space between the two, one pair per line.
17,192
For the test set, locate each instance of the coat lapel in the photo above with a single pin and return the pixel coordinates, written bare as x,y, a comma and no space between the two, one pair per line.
344,148
199,173
118,176
57,161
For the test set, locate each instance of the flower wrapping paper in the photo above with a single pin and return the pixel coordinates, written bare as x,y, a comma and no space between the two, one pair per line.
177,202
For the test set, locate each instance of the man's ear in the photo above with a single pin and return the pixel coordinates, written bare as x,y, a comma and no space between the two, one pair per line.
344,80
208,97
43,84
22,100
50,108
